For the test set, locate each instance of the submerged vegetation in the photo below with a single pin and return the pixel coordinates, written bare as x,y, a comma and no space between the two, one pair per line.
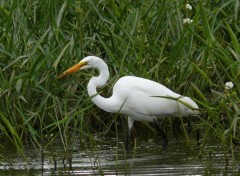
194,51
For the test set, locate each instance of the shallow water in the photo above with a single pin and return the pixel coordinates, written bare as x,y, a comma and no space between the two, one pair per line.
147,158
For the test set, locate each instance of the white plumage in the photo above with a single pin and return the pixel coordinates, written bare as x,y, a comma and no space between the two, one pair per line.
138,98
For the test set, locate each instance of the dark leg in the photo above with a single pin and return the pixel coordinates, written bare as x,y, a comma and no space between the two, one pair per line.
176,127
189,128
127,139
198,136
127,135
165,140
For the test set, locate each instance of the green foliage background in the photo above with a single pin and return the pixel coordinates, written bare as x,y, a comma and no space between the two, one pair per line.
146,38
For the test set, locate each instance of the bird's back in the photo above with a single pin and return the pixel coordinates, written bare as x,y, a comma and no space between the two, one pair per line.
130,84
143,97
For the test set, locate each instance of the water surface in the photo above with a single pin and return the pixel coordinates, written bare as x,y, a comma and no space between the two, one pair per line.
109,158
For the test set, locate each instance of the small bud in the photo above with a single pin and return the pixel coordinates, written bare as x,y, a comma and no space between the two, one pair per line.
188,7
229,85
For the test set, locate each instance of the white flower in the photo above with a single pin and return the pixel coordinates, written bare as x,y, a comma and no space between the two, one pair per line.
187,20
229,85
188,7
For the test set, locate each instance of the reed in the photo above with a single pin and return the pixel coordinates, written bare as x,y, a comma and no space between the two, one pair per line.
40,39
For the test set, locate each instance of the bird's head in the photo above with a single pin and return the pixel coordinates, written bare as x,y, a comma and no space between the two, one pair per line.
87,62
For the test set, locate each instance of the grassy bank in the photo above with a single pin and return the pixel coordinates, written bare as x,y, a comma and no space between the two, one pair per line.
40,39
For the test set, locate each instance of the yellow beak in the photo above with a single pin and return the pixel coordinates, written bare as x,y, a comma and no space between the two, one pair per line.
72,69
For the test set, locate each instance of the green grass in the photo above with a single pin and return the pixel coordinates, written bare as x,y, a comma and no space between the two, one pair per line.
40,39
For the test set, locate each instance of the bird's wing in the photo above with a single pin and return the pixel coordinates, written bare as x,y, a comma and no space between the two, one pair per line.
140,96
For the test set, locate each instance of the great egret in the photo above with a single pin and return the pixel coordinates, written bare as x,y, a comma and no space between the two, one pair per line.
138,98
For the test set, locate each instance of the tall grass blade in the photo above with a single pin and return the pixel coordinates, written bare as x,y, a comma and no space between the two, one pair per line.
60,14
207,30
55,64
233,38
13,136
204,74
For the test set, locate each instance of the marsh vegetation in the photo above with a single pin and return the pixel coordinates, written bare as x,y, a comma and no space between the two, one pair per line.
193,51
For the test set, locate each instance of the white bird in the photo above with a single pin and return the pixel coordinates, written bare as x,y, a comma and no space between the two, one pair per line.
138,98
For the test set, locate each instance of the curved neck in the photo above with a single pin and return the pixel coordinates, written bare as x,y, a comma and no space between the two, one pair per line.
96,82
